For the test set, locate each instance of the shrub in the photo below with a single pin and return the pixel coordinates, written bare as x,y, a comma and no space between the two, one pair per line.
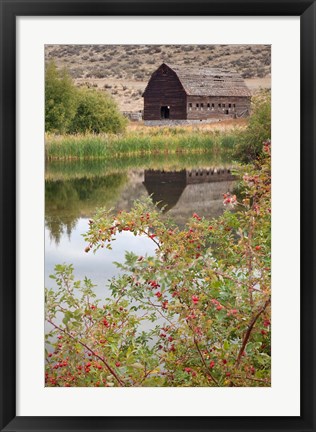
69,109
96,112
258,130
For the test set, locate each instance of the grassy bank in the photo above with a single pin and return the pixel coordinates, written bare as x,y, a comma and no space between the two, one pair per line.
145,141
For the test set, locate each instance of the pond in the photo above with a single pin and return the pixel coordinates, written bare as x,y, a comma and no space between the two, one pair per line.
181,185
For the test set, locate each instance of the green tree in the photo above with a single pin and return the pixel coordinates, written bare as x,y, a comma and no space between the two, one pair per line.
69,109
60,99
96,113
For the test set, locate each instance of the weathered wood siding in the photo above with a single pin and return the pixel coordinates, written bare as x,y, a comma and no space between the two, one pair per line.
165,89
204,107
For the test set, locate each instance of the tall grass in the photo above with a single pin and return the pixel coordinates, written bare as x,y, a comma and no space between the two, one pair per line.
153,141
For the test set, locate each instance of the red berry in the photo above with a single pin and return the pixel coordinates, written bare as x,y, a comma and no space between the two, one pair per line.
105,322
195,299
196,216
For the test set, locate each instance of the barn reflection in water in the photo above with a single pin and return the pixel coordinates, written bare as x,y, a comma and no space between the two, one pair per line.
181,193
178,193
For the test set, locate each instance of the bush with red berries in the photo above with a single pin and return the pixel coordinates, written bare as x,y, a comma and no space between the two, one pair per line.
206,293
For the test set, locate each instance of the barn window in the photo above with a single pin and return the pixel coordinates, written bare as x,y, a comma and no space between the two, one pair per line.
190,106
219,105
208,106
229,105
202,106
213,105
234,105
197,105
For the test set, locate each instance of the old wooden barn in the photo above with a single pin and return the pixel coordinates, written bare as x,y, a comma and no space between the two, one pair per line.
191,93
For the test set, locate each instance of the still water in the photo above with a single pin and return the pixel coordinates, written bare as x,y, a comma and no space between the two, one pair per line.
73,191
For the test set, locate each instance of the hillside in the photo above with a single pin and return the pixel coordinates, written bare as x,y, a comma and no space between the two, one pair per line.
123,70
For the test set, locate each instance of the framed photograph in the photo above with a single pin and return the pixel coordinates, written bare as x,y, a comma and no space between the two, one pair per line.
157,222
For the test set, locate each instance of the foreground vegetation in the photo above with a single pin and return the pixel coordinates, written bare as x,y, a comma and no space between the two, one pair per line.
206,292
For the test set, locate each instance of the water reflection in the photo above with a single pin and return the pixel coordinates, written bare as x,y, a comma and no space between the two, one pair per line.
182,193
66,201
178,193
98,267
73,195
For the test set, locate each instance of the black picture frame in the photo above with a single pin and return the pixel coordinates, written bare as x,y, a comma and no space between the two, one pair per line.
9,10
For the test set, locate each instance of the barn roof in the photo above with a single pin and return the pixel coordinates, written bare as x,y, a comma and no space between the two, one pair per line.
204,81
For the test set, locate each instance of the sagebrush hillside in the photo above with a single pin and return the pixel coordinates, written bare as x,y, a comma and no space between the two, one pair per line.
123,70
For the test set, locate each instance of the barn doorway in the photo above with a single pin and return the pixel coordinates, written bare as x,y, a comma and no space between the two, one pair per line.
165,112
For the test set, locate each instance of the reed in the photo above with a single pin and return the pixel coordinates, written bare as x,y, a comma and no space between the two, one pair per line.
153,141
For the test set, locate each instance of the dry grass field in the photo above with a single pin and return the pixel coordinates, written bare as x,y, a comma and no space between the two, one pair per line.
124,70
220,126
